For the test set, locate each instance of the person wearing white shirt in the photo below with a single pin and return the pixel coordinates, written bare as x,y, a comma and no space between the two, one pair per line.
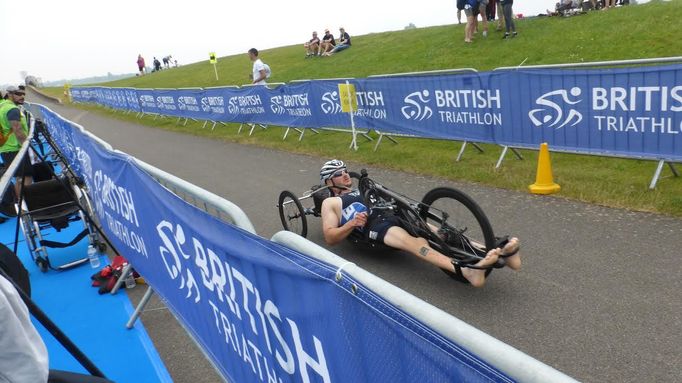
260,69
23,355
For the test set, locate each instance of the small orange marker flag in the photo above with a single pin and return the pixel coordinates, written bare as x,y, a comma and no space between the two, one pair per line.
544,180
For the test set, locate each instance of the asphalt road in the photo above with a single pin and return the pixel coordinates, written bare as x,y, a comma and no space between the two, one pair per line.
599,296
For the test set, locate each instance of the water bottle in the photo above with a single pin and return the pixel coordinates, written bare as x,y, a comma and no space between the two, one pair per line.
93,257
130,280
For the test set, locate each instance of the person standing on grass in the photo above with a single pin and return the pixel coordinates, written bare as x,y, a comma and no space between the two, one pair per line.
469,8
483,11
500,16
508,18
140,64
460,8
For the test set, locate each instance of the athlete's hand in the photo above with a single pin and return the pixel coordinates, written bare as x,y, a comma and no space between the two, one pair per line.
360,220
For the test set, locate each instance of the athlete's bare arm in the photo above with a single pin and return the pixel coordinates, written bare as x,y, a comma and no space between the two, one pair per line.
333,233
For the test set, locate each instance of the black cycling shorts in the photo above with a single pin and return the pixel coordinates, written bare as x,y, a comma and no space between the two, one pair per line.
377,227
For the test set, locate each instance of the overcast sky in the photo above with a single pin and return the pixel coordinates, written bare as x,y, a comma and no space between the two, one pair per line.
70,39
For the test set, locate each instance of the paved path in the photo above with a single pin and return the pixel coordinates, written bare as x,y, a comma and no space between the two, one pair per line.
599,297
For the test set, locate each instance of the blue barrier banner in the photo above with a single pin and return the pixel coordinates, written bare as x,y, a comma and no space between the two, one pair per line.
189,104
132,100
147,98
327,105
630,112
260,311
166,102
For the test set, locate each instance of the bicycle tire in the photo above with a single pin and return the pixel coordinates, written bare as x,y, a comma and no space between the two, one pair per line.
441,193
297,213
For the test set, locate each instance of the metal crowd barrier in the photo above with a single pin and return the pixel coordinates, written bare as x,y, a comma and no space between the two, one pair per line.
505,148
516,364
599,64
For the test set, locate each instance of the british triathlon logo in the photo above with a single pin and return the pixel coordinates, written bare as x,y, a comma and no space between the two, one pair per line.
416,106
330,103
551,114
277,105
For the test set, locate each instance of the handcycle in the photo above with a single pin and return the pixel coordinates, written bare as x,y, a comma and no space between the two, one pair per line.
451,221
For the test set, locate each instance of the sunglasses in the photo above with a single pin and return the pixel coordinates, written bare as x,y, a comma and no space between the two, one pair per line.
339,173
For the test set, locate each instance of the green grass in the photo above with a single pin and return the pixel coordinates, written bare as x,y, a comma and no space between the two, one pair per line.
650,30
54,92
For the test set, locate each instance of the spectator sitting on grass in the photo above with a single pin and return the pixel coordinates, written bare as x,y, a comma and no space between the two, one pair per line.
328,43
344,42
312,47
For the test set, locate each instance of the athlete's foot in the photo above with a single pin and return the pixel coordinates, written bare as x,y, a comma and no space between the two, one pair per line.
512,247
477,276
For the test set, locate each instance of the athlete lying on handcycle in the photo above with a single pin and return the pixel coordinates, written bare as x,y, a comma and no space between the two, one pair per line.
388,221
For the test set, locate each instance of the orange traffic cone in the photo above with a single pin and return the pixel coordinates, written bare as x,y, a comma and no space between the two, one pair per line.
544,180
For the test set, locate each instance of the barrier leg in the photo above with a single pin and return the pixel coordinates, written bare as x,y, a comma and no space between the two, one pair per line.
253,127
140,306
393,140
499,160
178,121
477,146
381,136
124,273
315,131
205,122
286,133
367,136
461,151
464,145
517,153
302,133
657,174
214,124
673,169
185,123
240,128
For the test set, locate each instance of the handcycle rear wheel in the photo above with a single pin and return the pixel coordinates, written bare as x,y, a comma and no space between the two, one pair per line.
465,221
292,214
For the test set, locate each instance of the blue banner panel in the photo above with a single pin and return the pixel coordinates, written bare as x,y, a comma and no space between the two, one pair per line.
132,100
260,311
630,112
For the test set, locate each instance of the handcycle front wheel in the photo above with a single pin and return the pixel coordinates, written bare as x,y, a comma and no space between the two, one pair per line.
292,214
465,224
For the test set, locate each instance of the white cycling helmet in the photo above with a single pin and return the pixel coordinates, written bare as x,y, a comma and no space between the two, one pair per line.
330,167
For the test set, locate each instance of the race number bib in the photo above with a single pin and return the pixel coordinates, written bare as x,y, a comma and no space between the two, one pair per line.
351,210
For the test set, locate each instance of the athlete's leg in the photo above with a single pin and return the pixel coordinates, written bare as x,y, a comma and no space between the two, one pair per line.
398,238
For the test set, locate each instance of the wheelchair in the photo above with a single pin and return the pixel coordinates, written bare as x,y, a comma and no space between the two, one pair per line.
54,202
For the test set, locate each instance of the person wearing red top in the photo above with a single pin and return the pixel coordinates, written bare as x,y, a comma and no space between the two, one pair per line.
140,64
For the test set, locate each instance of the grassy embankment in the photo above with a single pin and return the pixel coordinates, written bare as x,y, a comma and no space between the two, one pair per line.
650,30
